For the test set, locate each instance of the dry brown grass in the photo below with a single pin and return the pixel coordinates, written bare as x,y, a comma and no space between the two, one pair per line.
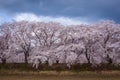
64,75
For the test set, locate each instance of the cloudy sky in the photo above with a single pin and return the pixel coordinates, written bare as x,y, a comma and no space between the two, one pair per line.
63,11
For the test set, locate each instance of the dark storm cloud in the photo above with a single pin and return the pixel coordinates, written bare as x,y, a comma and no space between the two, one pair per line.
91,9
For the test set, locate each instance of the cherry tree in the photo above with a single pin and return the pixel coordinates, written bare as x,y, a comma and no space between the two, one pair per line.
51,42
108,29
21,36
4,43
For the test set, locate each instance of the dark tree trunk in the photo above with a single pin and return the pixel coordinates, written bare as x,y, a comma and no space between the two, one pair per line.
87,56
109,60
57,61
26,58
3,61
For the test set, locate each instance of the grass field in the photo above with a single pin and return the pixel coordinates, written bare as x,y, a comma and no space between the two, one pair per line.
51,75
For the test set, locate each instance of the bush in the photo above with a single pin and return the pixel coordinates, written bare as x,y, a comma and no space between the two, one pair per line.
81,67
59,67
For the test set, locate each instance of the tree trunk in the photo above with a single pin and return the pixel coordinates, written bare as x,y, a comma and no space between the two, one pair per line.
3,61
87,56
26,58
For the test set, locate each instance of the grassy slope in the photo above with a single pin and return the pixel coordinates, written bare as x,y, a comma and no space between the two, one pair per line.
52,75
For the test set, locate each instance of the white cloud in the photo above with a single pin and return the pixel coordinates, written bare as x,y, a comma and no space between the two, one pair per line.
62,20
